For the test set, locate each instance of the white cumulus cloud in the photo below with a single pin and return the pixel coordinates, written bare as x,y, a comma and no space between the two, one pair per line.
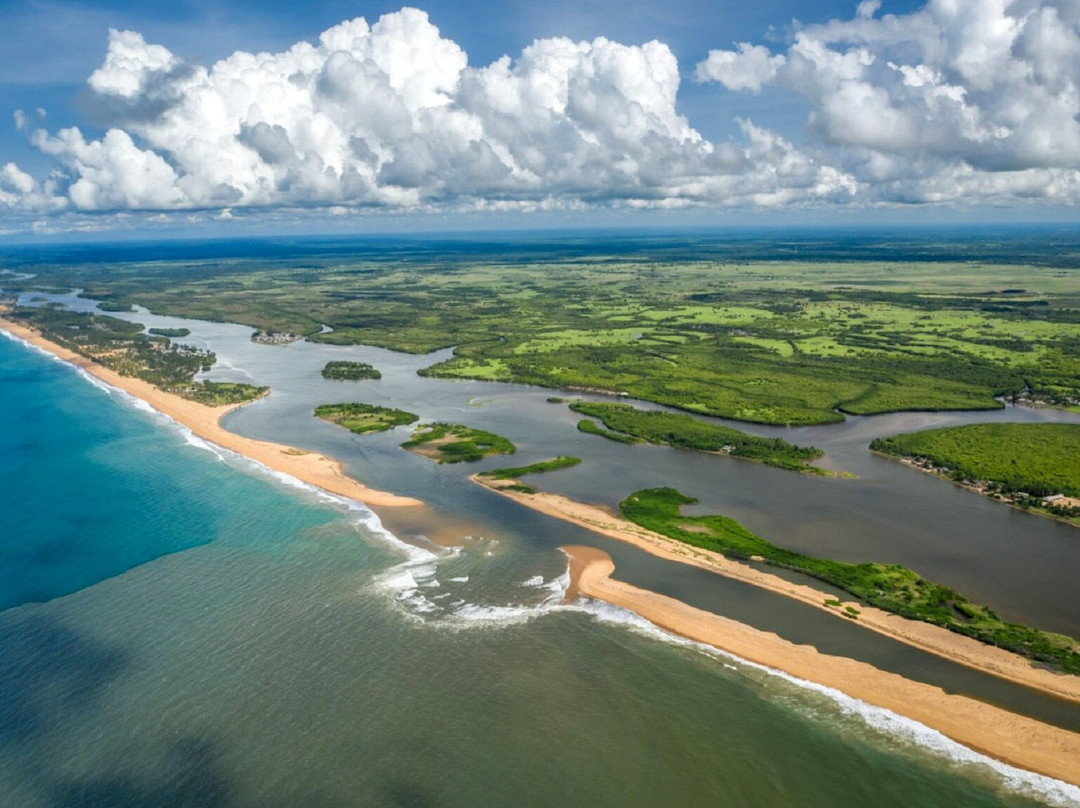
961,99
392,115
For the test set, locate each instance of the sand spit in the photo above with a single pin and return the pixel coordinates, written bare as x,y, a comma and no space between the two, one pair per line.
202,420
1010,738
933,639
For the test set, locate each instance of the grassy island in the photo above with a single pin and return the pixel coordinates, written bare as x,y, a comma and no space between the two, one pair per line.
454,443
350,371
629,424
169,332
123,347
554,464
1029,465
364,418
891,587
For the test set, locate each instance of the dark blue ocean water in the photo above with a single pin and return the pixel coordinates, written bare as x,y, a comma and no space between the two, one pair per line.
90,487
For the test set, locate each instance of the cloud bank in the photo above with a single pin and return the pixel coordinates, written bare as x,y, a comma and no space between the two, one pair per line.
963,100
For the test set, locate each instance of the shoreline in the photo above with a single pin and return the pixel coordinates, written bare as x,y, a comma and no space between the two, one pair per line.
909,461
924,636
1010,738
203,421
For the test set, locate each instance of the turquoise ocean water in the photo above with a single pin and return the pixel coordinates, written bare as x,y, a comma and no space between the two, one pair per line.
179,629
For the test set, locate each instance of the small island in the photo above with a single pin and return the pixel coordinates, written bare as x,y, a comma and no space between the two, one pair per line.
169,332
628,424
508,478
890,587
365,418
350,371
454,443
1035,467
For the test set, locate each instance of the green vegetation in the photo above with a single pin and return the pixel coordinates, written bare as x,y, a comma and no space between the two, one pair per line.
560,462
555,400
687,432
169,332
888,586
351,371
590,428
709,328
121,346
454,443
216,394
1040,459
364,418
115,306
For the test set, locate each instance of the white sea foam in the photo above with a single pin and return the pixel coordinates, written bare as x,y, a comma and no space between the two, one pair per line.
536,580
1053,792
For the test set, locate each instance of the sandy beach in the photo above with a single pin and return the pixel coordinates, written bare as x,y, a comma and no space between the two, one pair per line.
1008,737
934,639
312,468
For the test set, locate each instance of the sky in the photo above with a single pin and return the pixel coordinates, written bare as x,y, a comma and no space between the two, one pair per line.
221,116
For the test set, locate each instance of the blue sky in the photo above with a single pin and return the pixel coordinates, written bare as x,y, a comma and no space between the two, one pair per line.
813,111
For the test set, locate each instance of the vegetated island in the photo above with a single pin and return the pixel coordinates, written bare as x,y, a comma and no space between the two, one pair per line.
350,371
1035,467
509,478
891,587
169,332
628,424
454,443
123,347
365,418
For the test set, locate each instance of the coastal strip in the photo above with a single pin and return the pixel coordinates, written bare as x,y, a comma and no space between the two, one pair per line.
925,636
1013,739
309,467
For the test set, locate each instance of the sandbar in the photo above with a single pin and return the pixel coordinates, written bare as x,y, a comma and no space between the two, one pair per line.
1013,739
933,639
203,420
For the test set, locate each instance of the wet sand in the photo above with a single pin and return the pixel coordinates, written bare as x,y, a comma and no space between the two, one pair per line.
1013,739
202,420
930,638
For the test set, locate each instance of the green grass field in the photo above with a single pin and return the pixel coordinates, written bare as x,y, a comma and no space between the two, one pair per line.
776,342
888,586
1040,459
364,418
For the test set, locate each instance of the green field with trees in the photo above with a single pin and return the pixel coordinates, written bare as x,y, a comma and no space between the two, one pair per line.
454,443
363,418
686,432
709,330
350,371
123,347
891,587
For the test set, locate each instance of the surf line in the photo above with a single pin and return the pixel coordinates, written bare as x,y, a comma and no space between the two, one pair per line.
1015,740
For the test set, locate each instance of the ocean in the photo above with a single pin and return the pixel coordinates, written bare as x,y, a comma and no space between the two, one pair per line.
181,628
